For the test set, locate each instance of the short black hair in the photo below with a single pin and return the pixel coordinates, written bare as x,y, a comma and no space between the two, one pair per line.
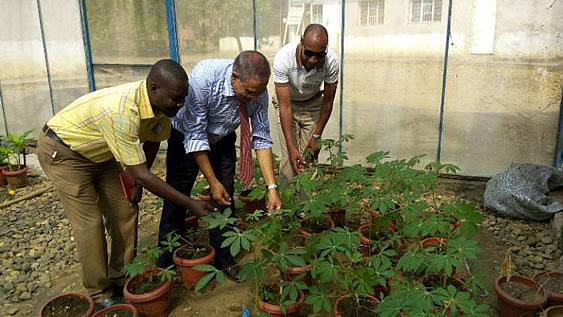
315,28
252,64
167,69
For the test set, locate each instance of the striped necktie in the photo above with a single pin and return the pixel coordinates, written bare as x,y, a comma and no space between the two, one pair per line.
246,171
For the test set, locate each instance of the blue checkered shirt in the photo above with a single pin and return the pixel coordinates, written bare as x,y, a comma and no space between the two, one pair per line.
211,110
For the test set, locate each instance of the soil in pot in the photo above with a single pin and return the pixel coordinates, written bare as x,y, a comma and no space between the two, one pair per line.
348,307
522,291
69,306
146,285
552,283
316,225
192,252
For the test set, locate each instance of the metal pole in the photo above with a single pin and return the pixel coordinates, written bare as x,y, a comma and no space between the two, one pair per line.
47,69
557,155
172,33
254,24
340,121
444,77
3,110
87,48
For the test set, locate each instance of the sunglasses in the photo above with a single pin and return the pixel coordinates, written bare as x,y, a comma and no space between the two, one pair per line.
310,53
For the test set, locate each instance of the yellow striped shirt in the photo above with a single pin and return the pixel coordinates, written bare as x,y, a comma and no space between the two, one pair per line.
111,122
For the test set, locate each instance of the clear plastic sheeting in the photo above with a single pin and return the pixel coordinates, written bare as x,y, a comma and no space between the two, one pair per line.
520,192
213,29
23,76
127,32
392,77
63,39
503,85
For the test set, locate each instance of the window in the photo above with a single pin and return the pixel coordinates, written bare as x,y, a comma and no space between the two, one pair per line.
313,14
426,11
372,12
317,13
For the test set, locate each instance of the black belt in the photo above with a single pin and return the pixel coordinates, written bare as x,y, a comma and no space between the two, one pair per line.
50,133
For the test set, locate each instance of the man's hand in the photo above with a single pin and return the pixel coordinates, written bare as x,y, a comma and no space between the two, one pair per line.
296,160
274,201
219,194
314,148
201,208
136,193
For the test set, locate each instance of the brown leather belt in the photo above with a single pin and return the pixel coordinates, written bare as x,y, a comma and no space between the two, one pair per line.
50,133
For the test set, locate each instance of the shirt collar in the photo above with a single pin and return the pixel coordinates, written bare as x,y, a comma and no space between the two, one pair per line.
145,109
228,91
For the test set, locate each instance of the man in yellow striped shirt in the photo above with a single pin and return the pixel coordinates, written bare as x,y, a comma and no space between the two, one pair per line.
83,148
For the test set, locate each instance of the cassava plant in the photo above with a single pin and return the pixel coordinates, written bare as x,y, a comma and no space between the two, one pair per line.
16,144
146,260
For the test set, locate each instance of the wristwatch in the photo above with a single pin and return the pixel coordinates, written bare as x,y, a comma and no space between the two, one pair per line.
316,136
271,186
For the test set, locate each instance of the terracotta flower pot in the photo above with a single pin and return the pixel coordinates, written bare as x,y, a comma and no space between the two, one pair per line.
434,241
189,276
117,308
336,312
191,222
307,234
251,206
338,216
152,304
290,310
15,179
291,272
2,177
553,298
82,297
510,306
553,311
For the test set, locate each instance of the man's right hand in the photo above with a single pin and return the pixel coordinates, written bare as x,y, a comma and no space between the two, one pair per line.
296,160
201,208
219,194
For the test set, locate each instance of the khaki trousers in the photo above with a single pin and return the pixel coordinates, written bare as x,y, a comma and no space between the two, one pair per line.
305,118
93,202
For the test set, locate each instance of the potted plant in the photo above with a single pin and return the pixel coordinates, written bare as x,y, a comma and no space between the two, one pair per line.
341,265
276,296
552,282
190,254
519,295
16,173
4,155
70,304
253,197
148,287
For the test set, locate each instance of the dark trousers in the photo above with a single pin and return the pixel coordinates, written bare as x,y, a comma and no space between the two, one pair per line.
181,173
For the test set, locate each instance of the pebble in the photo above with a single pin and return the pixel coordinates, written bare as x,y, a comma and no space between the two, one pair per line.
25,296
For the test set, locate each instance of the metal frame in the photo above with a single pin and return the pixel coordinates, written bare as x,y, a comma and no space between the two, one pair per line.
172,32
444,81
87,48
45,54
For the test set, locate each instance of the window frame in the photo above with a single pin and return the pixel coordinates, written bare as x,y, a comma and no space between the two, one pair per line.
420,18
376,15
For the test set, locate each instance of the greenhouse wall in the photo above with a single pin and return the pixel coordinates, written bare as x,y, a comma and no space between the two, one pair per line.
502,94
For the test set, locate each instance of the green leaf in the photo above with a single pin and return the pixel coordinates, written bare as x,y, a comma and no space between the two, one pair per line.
205,268
204,281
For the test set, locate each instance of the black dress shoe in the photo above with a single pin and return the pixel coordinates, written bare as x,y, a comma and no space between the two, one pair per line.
233,273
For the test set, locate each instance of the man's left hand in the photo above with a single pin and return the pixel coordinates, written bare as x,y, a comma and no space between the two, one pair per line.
274,201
